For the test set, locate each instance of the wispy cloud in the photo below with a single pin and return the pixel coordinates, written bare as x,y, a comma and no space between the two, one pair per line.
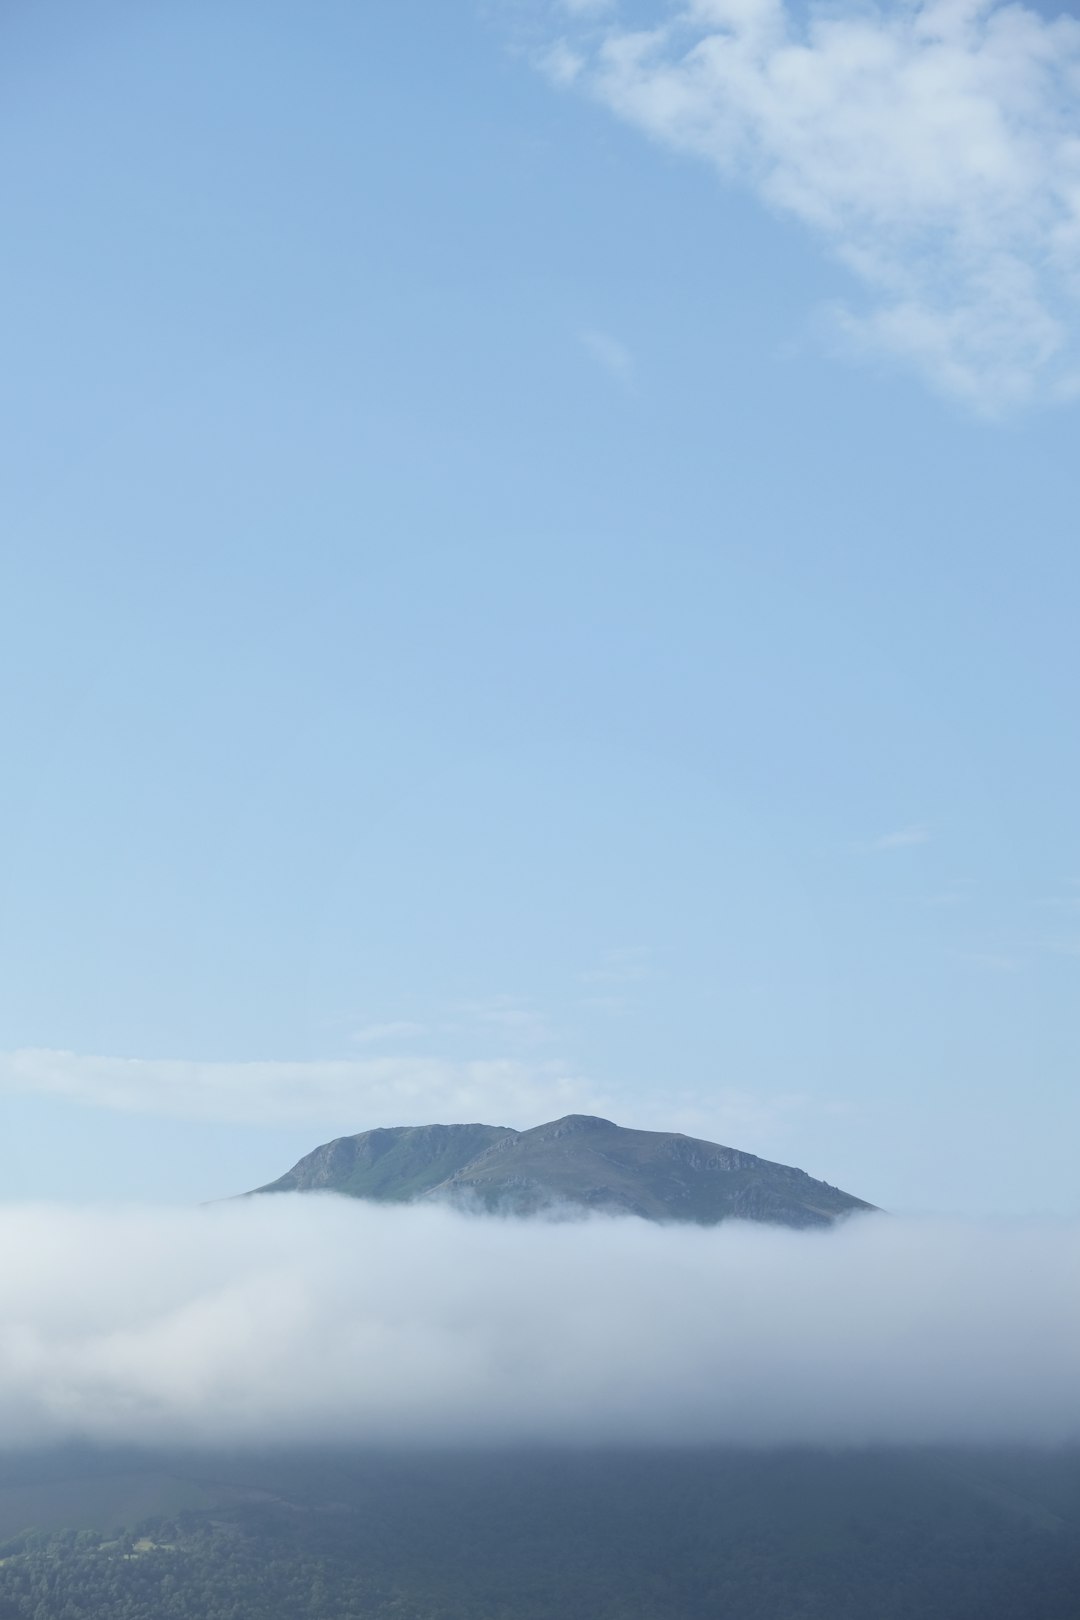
755,1119
903,838
560,63
625,964
991,961
359,1094
1068,900
945,898
934,148
510,1016
353,1095
587,8
381,1034
612,355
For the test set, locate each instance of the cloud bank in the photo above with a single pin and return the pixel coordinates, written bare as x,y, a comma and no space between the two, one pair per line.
320,1319
934,147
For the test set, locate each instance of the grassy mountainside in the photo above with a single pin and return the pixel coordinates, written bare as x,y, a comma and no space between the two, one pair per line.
393,1165
579,1160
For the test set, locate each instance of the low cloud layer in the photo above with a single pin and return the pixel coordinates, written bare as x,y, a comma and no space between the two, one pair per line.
321,1319
935,148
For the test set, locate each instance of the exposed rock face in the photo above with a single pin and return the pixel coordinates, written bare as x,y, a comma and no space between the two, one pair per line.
580,1161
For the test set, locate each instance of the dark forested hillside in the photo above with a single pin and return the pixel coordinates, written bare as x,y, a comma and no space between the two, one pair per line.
687,1536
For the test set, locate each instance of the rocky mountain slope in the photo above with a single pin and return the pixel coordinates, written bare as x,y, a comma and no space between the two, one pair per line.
580,1161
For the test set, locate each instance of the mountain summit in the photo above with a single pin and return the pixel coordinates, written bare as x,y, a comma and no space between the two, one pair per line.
579,1161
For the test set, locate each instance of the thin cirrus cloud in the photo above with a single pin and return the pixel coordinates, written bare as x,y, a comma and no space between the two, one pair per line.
903,838
934,148
587,8
507,1018
614,357
313,1318
367,1092
387,1034
626,964
364,1093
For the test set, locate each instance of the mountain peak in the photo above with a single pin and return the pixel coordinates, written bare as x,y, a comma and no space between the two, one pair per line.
580,1161
571,1125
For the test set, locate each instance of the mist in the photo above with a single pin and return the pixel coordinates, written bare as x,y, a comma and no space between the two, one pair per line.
315,1318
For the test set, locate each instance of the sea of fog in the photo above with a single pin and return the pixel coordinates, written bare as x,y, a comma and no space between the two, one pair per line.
316,1318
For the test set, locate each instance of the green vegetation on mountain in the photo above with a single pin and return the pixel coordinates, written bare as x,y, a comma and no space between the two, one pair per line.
580,1161
394,1165
566,1536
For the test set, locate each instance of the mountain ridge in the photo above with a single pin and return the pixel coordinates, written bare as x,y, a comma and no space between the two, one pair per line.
580,1161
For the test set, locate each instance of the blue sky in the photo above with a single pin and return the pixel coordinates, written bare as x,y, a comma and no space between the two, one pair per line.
532,582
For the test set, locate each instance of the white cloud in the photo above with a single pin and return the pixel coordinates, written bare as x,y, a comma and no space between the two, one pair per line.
737,1117
614,356
315,1318
560,64
379,1034
366,1091
626,964
992,961
934,147
335,1098
1068,901
510,1016
904,838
